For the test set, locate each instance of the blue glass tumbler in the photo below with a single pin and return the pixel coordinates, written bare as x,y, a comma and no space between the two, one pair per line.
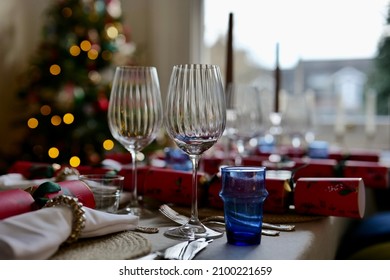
243,193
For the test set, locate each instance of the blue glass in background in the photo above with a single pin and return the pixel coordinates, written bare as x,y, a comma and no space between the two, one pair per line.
318,149
267,144
243,193
177,159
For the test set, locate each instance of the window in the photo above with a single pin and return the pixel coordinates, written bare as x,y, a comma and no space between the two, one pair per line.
326,47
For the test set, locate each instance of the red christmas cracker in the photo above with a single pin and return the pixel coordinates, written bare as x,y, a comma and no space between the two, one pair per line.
375,175
343,197
358,155
127,172
84,170
213,198
78,189
172,186
18,201
123,158
75,188
34,170
254,160
15,202
210,165
313,168
278,199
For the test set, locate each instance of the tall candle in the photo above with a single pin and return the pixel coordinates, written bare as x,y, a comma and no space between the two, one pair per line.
370,113
277,80
229,53
340,117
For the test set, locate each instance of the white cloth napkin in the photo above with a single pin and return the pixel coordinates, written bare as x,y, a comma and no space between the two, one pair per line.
38,234
17,181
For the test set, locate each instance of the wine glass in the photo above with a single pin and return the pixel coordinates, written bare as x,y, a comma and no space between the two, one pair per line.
245,119
135,115
195,118
297,119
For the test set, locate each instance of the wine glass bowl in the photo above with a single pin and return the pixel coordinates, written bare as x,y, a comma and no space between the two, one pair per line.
297,119
245,116
195,119
135,114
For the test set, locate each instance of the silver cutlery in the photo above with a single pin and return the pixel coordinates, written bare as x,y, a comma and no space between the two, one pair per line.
182,219
217,222
215,225
186,250
221,219
279,227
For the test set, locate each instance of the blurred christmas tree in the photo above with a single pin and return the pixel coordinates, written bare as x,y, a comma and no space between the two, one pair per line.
380,79
68,86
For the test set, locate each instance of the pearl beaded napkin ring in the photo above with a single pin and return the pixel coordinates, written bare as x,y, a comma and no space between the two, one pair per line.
78,222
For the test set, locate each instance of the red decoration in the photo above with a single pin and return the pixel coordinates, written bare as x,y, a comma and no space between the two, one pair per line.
15,202
344,197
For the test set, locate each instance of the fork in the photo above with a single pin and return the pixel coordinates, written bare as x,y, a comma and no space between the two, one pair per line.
219,221
180,219
173,215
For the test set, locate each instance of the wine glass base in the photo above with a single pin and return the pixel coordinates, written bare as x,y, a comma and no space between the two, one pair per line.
140,212
192,232
136,211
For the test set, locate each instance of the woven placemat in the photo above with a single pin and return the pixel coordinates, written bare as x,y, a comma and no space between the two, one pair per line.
118,246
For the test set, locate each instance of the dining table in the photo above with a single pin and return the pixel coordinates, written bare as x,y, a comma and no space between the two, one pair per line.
316,239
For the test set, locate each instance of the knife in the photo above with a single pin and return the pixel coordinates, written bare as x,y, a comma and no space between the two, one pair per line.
186,250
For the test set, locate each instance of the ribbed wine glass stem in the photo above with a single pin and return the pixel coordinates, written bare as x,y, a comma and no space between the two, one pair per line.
194,202
240,152
134,202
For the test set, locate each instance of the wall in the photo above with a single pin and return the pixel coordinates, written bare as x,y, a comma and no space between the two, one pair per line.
20,27
161,30
165,33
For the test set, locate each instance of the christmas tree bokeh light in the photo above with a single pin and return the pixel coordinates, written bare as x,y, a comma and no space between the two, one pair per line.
67,87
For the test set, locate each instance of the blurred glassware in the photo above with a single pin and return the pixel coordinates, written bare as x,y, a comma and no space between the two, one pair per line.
275,129
318,149
297,121
176,159
245,117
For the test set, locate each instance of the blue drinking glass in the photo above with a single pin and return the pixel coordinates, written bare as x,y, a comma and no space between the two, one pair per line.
318,149
243,193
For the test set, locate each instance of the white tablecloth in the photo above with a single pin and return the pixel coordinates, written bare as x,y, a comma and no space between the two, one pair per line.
315,240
